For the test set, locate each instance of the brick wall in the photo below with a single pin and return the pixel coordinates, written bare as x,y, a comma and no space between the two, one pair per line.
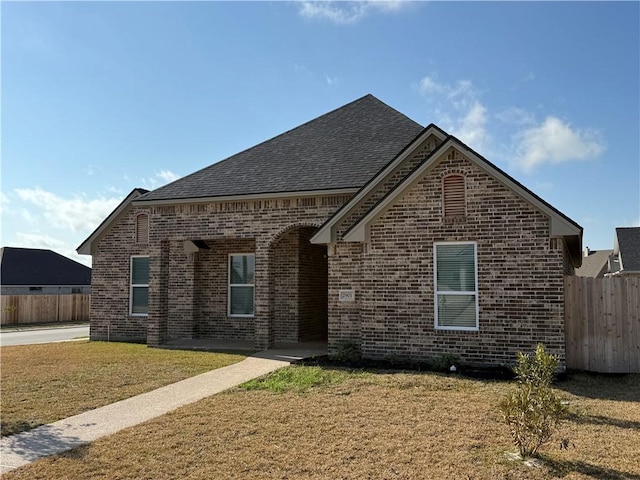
110,317
520,275
210,297
188,291
395,177
284,282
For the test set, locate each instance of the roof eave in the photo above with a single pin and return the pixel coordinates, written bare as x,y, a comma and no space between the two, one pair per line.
326,233
560,224
250,196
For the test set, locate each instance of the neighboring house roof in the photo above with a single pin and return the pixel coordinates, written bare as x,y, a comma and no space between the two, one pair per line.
342,149
32,266
560,224
85,247
594,264
627,247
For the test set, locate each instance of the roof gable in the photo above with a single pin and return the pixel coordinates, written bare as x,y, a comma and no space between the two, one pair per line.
342,149
560,224
85,247
32,266
326,233
627,246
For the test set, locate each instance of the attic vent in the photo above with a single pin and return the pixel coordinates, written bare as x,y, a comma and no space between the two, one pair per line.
453,195
142,228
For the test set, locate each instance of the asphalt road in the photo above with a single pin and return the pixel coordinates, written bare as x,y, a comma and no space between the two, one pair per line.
43,335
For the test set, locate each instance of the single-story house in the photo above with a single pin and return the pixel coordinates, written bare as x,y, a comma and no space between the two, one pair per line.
361,228
34,271
595,263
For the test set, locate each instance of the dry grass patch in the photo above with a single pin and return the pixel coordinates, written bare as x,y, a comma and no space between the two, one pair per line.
48,382
366,425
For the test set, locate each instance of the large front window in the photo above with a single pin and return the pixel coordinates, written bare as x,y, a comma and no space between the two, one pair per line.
139,286
241,286
456,280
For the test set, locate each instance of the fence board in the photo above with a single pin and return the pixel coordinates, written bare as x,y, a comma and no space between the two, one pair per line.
602,324
24,309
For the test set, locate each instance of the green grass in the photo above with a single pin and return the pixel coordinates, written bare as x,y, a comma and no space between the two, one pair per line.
296,379
49,382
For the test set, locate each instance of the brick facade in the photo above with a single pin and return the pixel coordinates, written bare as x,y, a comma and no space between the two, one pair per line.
297,284
520,275
188,291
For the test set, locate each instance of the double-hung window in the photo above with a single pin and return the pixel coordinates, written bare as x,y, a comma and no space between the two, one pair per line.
241,286
456,281
139,298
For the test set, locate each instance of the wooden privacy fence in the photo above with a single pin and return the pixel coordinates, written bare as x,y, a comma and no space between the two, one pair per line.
602,324
21,309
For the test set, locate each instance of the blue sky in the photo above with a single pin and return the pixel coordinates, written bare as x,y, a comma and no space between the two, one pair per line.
100,98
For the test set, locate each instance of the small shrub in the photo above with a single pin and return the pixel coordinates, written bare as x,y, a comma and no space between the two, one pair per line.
533,411
347,352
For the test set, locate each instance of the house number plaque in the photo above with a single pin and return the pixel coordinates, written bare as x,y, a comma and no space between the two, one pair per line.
346,295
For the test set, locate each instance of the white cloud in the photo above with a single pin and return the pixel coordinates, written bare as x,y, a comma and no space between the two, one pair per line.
158,179
516,116
331,81
4,201
459,109
77,213
167,175
555,141
344,13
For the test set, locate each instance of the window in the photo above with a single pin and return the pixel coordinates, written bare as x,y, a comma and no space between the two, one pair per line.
456,280
76,289
139,286
453,193
241,287
142,228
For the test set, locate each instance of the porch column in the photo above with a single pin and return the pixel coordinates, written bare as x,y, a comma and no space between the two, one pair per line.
158,292
181,321
263,321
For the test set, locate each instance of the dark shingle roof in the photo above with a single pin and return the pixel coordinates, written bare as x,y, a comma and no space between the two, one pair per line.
629,248
341,149
32,266
595,265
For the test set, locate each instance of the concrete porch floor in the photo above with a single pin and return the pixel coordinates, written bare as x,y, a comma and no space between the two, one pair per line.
290,352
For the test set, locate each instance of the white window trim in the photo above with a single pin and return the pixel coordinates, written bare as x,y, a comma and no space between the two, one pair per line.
230,285
132,285
436,292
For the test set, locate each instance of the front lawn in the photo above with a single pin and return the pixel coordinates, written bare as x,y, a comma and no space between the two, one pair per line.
322,423
48,382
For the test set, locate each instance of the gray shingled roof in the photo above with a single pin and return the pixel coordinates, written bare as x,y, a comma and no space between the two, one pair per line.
34,266
595,265
629,248
341,149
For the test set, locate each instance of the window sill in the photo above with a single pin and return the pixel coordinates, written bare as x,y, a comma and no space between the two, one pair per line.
457,329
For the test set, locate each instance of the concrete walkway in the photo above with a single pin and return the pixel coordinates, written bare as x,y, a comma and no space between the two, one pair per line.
26,447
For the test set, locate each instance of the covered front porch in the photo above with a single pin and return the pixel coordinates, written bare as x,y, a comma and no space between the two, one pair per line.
249,293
